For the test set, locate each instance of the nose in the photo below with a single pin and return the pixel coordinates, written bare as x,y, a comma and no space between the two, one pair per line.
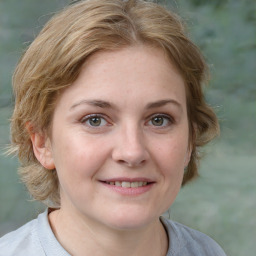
130,147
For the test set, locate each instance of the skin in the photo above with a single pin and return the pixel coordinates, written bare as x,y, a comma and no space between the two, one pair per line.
125,117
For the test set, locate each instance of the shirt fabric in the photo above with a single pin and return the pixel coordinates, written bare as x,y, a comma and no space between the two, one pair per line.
36,238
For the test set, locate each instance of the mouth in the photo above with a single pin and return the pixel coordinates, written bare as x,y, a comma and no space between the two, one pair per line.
128,184
129,187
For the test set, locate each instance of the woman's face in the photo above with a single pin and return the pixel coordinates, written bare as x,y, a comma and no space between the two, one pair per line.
120,138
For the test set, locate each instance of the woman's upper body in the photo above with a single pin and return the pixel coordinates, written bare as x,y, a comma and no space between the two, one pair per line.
37,238
108,119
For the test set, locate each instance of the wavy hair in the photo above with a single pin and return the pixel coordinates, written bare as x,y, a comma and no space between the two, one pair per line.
54,59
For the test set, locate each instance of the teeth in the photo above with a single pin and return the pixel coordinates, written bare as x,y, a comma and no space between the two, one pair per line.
134,184
117,183
127,184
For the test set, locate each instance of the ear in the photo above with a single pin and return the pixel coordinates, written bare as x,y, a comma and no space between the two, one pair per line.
187,156
42,148
190,145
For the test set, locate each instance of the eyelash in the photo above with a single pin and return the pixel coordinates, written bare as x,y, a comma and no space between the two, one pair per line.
87,118
165,117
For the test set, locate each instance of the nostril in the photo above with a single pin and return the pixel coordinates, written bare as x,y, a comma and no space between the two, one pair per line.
132,163
130,149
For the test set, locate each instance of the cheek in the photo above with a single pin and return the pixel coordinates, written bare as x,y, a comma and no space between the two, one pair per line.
77,163
170,161
172,154
78,157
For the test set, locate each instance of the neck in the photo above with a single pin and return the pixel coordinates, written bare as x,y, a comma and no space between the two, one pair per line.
79,236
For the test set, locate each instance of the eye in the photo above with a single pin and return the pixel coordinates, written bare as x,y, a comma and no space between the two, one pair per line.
160,120
94,121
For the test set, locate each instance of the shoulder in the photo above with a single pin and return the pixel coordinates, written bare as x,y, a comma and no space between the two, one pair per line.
187,241
20,241
34,238
23,241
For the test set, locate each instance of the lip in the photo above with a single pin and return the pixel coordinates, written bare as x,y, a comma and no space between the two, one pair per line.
129,179
129,191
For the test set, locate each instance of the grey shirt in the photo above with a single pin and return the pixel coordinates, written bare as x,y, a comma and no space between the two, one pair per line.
37,238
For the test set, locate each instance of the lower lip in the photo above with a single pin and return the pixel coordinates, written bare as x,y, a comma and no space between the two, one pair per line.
129,191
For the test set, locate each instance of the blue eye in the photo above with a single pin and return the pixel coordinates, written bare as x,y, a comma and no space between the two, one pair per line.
94,121
160,120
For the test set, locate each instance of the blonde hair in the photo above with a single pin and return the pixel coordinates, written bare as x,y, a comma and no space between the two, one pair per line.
54,60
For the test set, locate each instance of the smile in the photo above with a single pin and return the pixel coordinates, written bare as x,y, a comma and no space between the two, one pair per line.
127,184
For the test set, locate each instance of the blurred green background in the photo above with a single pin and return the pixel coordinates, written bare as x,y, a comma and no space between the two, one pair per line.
222,202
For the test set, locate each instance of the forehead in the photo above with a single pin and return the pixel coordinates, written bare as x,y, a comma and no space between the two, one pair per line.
146,55
140,72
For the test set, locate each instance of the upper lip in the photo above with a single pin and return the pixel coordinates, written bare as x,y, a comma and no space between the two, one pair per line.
138,179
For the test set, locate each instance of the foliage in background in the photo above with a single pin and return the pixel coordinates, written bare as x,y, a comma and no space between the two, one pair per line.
20,21
226,33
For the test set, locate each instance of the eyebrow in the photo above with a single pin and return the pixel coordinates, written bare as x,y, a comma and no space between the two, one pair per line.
105,104
162,103
96,103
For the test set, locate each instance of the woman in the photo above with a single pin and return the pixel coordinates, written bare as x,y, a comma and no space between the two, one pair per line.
108,119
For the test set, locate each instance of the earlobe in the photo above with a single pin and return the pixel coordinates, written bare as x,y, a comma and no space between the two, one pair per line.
187,157
190,145
42,148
